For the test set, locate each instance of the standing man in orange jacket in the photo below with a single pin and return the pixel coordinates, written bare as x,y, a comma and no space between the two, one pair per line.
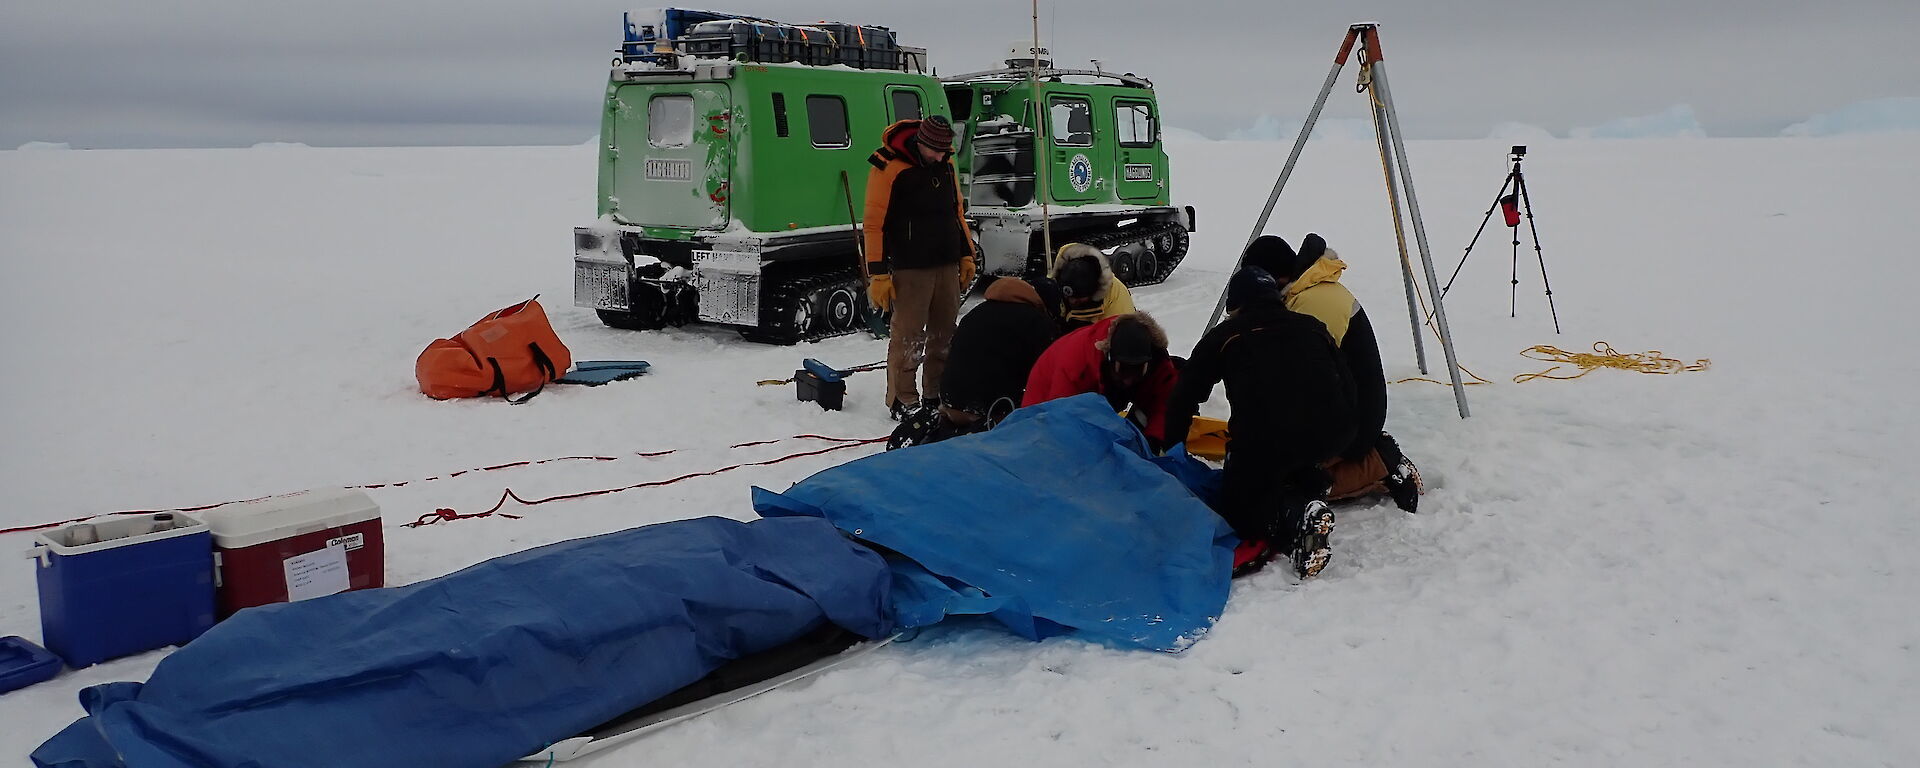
920,254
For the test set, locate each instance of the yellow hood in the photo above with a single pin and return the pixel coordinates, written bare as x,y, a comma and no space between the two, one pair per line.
1326,270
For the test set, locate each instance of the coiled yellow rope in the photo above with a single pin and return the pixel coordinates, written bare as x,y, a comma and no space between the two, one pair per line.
1604,356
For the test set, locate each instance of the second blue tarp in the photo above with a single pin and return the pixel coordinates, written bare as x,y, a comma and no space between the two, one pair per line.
1055,520
480,667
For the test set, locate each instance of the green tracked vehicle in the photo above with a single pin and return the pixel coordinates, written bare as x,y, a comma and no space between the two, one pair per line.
733,170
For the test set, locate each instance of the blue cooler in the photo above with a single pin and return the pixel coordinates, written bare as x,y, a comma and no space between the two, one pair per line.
119,585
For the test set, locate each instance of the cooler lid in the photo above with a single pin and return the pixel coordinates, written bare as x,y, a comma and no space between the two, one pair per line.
112,531
244,524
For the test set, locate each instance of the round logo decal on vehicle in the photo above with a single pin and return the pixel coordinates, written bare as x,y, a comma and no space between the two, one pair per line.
1080,173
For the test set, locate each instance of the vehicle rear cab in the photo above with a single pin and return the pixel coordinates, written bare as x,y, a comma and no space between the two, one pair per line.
729,190
1106,172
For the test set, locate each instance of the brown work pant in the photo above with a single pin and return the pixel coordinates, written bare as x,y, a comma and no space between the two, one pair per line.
926,304
1353,479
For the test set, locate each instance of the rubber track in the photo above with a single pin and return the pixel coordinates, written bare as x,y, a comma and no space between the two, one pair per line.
1109,240
786,297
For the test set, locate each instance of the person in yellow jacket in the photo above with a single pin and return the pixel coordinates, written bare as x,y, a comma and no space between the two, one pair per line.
1373,462
920,254
1088,288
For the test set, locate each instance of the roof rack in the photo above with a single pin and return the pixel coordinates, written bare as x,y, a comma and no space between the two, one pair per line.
678,33
1022,73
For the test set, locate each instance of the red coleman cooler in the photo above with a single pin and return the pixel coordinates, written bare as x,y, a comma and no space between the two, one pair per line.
295,547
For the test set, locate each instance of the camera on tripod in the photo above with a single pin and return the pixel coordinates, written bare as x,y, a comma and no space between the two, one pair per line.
1512,201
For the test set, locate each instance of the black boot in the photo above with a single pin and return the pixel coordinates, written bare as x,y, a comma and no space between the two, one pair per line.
919,424
1308,520
1403,478
1312,548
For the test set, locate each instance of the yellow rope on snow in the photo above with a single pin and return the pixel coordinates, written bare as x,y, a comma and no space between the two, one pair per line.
1604,356
1477,381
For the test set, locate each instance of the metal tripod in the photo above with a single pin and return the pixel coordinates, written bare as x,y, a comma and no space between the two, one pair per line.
1393,157
1513,203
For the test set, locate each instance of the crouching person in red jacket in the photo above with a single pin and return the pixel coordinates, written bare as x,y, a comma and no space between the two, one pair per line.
1123,357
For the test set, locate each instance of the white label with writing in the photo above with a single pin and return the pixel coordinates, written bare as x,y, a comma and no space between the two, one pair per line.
659,169
351,541
316,574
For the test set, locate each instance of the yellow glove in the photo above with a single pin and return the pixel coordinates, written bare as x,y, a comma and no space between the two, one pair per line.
880,292
967,270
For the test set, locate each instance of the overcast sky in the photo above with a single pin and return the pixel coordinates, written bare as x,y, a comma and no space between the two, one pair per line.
406,72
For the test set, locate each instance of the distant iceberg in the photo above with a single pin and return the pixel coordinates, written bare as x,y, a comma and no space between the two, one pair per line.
1520,132
1270,128
1899,114
1675,122
1181,135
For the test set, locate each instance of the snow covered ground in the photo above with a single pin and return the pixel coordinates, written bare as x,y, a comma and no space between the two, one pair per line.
1703,569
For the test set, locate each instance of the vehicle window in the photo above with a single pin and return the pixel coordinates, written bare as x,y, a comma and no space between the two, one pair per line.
960,104
827,122
906,104
1134,120
670,121
1072,123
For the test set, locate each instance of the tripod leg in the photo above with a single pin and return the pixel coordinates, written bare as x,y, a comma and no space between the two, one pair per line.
1476,234
1381,140
1419,229
1527,202
1286,171
1513,266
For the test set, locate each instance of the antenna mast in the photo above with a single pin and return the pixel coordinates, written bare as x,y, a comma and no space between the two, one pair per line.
1040,145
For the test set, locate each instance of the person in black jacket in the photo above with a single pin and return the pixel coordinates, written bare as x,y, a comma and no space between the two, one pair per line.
920,253
1311,279
1292,410
992,353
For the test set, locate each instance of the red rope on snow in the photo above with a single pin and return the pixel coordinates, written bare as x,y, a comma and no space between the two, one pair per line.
449,475
448,514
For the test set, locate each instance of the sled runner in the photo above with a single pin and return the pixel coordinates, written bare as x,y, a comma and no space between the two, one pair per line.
742,679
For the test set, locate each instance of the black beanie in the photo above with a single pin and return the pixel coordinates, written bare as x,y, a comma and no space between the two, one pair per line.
1249,285
1130,341
1049,294
1080,278
1271,253
1312,247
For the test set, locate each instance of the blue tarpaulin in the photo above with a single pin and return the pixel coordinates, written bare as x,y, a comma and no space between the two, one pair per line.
1055,520
483,666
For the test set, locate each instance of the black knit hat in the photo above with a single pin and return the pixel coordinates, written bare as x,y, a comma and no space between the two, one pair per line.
1251,284
1130,341
1079,278
937,132
1049,294
1312,247
1271,253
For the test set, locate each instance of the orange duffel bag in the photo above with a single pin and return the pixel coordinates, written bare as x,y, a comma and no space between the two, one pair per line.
510,351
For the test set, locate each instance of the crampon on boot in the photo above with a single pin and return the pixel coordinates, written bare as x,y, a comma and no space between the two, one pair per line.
918,424
1311,552
1404,485
1403,478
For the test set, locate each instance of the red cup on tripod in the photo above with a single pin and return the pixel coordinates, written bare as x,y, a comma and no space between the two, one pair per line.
1510,209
